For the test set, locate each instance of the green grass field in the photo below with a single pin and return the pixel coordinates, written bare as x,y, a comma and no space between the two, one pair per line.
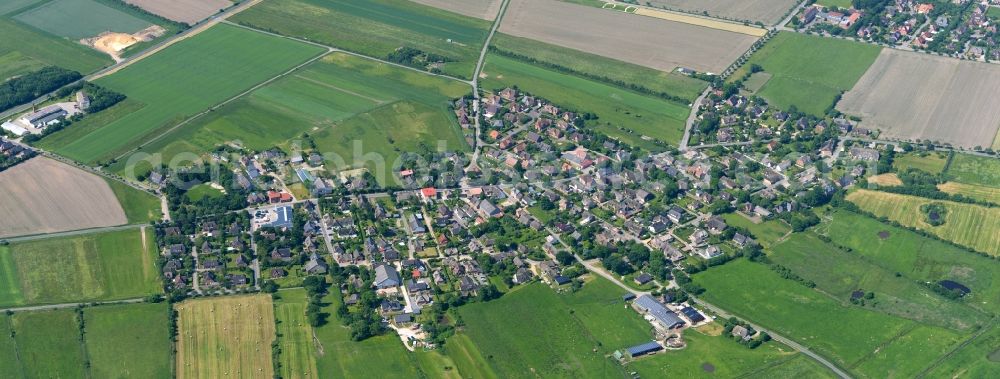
128,341
928,162
809,71
89,124
979,359
225,336
9,6
975,226
378,357
104,266
972,169
838,274
630,74
48,344
202,191
77,19
851,337
376,28
298,353
139,206
338,99
467,357
799,366
767,232
623,114
993,12
916,257
14,63
37,48
225,60
8,349
554,335
728,358
835,3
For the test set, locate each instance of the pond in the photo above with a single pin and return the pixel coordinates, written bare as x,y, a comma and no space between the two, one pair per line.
953,285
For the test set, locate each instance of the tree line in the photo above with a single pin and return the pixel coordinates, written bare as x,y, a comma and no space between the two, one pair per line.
28,87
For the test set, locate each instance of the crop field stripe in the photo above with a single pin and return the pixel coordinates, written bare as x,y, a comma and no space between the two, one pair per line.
809,71
700,21
949,92
222,337
974,226
130,340
50,49
48,344
99,266
10,287
336,49
376,28
10,6
226,61
972,169
617,72
227,101
295,336
331,86
985,193
76,19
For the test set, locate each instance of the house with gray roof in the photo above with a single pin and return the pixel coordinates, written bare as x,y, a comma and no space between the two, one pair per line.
386,277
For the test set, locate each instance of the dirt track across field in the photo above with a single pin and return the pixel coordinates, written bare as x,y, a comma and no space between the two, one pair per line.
767,11
45,196
647,41
186,11
919,96
484,9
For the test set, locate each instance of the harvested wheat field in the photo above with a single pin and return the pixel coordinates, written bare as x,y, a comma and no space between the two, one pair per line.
484,9
46,196
186,11
702,21
768,12
647,41
889,179
913,96
984,193
225,337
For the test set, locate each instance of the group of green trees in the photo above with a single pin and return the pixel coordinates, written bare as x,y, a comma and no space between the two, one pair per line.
316,288
413,57
185,211
28,87
10,161
751,343
363,320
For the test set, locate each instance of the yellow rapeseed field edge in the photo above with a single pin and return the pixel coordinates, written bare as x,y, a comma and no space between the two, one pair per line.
701,21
